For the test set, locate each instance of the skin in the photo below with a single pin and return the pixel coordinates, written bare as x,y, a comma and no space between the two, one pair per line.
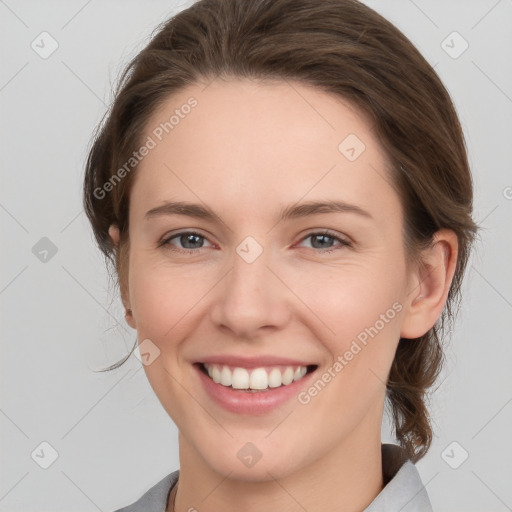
246,151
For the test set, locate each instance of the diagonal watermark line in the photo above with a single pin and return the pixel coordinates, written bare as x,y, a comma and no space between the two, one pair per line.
327,327
94,298
489,214
438,386
492,286
14,424
319,378
194,193
192,307
12,12
71,221
486,14
13,218
138,403
88,497
14,76
216,487
72,72
136,371
378,378
501,409
304,195
287,492
424,487
14,485
13,279
76,14
292,411
197,402
281,422
424,13
492,81
309,104
211,82
383,177
97,402
508,508
423,280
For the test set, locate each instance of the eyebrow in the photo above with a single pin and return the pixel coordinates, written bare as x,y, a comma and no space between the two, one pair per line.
293,211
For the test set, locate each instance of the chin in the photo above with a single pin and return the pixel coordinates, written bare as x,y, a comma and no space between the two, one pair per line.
246,462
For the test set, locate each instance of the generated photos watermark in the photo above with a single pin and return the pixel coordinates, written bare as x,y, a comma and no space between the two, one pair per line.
151,142
356,346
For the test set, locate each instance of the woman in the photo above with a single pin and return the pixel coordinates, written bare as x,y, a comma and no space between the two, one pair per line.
283,188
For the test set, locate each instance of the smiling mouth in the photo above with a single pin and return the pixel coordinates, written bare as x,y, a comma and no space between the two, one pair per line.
255,379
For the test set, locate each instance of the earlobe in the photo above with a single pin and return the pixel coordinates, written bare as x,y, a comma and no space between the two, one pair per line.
431,284
113,232
130,320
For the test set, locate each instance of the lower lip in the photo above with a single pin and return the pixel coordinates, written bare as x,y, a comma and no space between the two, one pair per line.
249,402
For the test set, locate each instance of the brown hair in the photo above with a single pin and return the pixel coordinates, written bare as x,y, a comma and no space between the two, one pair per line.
341,47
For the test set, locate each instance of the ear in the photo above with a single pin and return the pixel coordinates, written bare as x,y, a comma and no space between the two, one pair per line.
113,232
430,284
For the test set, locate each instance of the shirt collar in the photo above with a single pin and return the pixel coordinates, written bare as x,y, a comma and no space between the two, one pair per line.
403,489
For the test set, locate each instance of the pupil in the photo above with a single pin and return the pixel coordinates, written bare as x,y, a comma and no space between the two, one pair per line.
187,238
322,237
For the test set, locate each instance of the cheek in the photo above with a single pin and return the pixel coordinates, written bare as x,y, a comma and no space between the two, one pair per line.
162,298
365,315
337,302
346,302
357,317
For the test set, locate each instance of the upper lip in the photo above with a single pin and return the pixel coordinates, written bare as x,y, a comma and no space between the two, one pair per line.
253,362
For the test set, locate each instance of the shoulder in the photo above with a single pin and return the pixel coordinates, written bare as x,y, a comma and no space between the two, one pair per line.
155,499
403,488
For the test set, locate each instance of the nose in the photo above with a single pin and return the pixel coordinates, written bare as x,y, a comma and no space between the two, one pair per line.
252,299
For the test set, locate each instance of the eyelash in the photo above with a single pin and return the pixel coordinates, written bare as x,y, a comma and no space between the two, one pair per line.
167,245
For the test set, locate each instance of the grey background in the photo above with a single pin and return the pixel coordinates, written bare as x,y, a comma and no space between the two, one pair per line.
59,322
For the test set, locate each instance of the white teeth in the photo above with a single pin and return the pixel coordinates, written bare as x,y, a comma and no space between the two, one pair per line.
258,378
288,376
225,376
216,374
240,379
300,372
274,378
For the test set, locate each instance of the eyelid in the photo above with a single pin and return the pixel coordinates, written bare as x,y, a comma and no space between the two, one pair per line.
344,241
165,240
329,232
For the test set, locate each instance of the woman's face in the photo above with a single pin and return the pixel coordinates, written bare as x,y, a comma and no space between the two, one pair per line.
269,279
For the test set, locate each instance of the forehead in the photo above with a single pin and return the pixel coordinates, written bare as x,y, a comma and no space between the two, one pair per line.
245,143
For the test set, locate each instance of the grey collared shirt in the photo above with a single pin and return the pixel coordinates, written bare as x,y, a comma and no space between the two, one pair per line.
403,491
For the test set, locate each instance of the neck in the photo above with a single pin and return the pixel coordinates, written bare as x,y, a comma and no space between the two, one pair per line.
350,476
